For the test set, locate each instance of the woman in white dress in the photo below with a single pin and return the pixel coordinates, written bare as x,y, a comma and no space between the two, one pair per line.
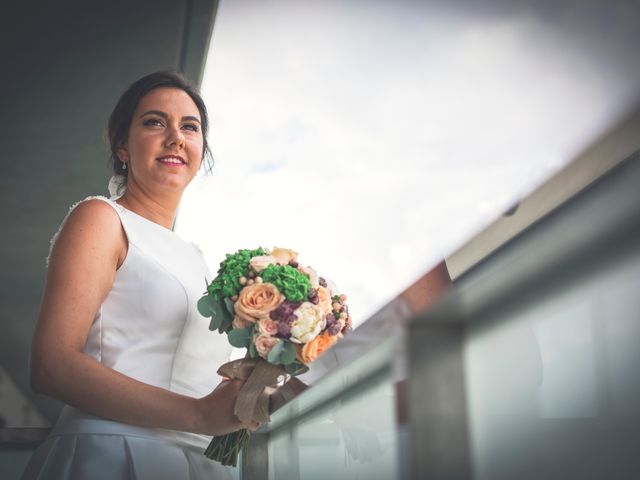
119,339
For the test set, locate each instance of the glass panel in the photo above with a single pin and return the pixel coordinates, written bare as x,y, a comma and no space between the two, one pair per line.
353,437
554,390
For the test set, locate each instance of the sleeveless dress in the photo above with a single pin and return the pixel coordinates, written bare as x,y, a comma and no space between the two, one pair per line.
148,328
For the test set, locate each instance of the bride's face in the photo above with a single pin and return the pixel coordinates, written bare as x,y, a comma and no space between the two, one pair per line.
165,144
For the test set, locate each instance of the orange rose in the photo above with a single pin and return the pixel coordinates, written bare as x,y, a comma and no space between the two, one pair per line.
256,301
324,297
317,346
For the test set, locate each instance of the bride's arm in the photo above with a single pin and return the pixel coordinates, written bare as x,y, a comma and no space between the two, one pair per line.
82,268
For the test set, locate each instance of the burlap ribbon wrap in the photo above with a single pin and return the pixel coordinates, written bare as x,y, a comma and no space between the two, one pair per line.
258,397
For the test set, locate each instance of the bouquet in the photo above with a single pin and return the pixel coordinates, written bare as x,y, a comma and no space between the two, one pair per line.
284,314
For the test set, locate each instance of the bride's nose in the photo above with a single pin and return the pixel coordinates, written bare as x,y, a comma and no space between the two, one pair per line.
175,138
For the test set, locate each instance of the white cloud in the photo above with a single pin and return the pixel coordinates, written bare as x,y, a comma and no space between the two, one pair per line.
374,138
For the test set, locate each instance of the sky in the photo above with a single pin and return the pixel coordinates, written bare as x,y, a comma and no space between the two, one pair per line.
375,138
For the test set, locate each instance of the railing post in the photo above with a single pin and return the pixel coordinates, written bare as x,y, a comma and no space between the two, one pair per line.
438,426
255,458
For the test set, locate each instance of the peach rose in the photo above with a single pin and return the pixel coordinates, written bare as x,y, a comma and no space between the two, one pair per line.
283,255
266,326
256,301
260,262
311,273
324,296
317,346
240,323
264,344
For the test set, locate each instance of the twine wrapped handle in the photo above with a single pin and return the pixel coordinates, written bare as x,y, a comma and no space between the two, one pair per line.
257,398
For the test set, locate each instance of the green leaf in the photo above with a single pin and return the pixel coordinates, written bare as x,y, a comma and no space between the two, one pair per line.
220,318
274,354
296,368
225,325
240,337
282,353
229,304
219,312
252,350
205,306
215,323
288,354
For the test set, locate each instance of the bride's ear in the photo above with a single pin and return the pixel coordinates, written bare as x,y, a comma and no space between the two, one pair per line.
123,153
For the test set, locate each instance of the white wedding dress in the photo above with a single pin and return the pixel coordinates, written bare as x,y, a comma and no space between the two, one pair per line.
149,329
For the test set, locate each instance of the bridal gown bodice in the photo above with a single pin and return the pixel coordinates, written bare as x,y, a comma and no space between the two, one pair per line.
148,327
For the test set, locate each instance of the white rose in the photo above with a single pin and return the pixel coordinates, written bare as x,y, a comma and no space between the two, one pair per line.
260,262
310,322
333,288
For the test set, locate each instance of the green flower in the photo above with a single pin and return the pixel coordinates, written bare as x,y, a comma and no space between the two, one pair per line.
227,283
291,283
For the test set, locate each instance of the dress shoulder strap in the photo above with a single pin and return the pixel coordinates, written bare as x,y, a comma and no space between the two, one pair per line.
114,205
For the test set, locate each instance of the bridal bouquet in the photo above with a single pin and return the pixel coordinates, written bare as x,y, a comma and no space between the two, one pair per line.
284,314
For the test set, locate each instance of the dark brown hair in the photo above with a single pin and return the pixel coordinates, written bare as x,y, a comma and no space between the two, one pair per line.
120,119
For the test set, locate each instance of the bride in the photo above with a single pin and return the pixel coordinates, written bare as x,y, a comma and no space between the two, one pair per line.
119,339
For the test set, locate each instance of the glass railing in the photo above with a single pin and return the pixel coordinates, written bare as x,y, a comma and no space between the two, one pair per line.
527,367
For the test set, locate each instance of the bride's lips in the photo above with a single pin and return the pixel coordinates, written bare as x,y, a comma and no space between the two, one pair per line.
172,160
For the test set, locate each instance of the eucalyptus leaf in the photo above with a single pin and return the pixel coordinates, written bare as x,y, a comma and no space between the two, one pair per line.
229,304
215,323
274,354
225,325
205,306
288,354
252,350
239,337
220,312
296,368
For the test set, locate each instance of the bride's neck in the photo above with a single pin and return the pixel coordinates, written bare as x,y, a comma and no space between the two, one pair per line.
160,210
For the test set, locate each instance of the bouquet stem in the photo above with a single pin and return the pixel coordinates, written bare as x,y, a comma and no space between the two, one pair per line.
225,448
252,404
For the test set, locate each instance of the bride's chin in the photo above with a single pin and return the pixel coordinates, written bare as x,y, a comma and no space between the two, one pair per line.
173,182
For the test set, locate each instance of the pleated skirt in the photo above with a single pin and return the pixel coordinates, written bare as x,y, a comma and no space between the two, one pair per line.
120,457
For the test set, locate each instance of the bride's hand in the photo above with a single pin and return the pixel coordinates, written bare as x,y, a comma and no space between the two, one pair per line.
215,411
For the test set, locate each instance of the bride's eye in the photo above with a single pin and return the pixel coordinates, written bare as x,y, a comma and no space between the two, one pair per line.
191,126
152,122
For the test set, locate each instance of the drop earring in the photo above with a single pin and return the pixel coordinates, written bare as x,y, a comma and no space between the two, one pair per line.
124,166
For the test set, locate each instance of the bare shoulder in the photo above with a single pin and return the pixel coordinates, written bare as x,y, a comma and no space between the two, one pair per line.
95,210
93,217
92,228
